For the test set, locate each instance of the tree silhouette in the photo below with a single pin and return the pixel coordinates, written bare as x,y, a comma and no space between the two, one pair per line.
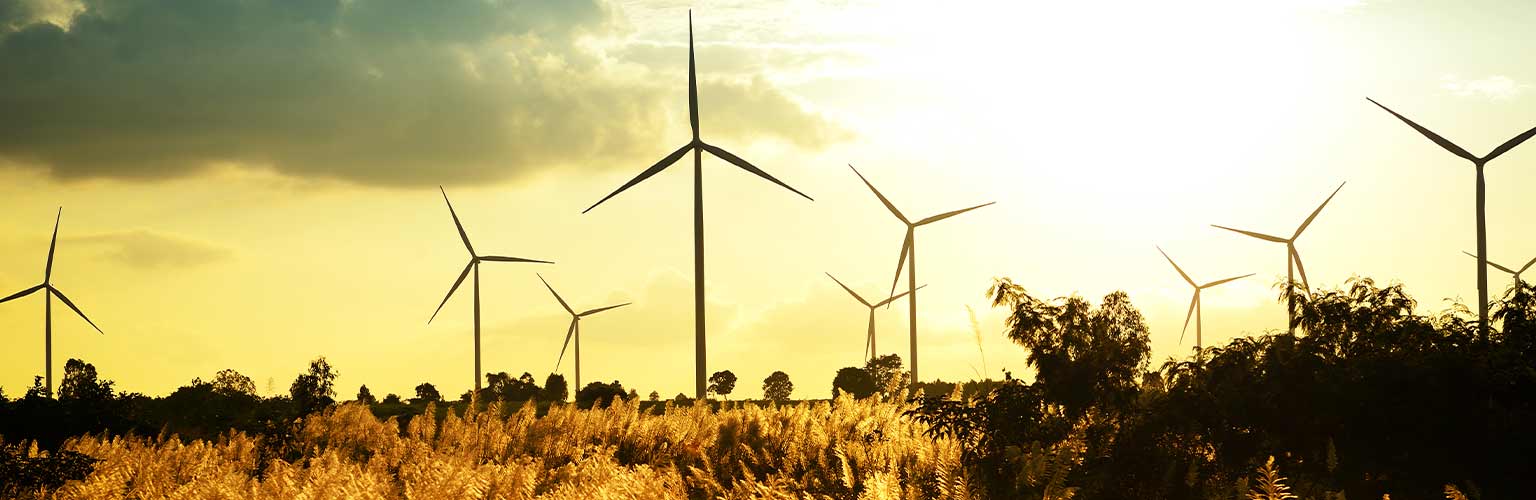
722,383
391,399
426,393
777,387
600,395
38,390
80,383
854,381
229,381
555,388
886,372
654,397
365,396
315,389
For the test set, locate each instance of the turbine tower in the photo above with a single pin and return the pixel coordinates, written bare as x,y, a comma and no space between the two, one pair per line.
1292,260
52,292
473,265
909,257
869,342
1482,229
1511,272
698,147
1194,303
574,332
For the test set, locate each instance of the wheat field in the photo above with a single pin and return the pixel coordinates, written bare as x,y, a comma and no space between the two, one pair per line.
838,449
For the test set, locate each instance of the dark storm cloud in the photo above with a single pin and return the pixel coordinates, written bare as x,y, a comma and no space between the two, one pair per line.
390,92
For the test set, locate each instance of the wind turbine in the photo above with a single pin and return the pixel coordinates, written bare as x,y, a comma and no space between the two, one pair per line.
698,147
473,265
1511,272
48,304
1482,230
869,342
1194,303
574,332
1292,260
909,257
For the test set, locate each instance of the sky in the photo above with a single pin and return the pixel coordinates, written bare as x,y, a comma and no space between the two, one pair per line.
253,184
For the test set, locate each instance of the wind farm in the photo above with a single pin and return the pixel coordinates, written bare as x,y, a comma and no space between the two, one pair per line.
249,189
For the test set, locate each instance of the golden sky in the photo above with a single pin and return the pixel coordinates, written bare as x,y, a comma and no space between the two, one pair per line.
252,185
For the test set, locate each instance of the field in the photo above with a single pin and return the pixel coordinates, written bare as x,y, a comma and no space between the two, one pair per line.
839,449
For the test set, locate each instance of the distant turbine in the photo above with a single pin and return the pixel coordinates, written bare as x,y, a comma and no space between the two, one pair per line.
1511,272
48,304
574,332
1194,303
473,265
909,257
1293,259
869,342
698,147
1482,230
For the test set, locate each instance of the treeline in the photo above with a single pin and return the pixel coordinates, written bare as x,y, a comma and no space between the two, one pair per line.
1372,399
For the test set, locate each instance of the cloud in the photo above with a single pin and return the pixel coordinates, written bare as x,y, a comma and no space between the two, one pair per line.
383,92
1495,87
151,250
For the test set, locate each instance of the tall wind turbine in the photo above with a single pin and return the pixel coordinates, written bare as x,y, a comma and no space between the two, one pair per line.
698,147
1511,272
48,304
473,265
1194,303
909,257
1482,230
869,342
574,332
1292,260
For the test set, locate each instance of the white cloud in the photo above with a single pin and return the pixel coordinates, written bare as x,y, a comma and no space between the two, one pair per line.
1494,87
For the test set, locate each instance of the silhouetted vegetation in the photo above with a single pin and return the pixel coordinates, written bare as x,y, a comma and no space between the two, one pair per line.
722,383
853,381
1373,398
777,387
600,395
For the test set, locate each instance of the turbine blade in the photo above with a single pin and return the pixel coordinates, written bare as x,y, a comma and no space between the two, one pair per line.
850,291
1527,265
568,333
1319,210
1218,282
556,294
906,246
452,289
601,309
1176,267
693,86
456,223
1495,264
744,165
1508,145
888,204
48,271
498,258
947,215
1261,236
23,293
897,296
72,307
1448,145
1300,269
659,166
1191,314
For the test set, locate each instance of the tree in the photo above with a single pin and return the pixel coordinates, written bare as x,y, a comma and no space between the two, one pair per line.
365,396
229,382
887,374
80,383
854,381
502,386
4,400
37,391
391,399
655,396
426,393
316,389
600,395
777,387
722,383
555,388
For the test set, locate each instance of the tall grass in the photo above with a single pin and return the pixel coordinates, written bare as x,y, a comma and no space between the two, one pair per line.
839,449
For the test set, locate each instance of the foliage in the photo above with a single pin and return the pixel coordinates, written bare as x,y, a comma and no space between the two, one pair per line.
556,388
886,373
314,389
391,399
654,397
722,383
853,381
600,395
81,384
231,382
25,471
1269,484
365,396
427,393
777,387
